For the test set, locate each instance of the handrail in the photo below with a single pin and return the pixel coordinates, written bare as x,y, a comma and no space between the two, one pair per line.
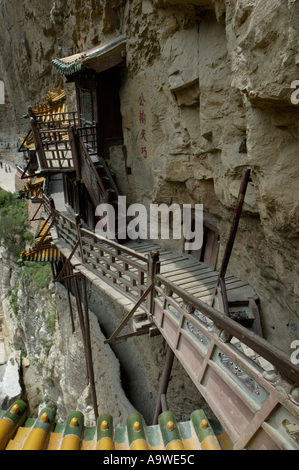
268,351
275,356
116,245
105,194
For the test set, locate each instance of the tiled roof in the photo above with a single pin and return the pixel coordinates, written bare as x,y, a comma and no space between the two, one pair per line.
31,189
45,253
19,433
77,62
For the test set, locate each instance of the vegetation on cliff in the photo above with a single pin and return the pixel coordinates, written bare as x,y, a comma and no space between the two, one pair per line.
14,224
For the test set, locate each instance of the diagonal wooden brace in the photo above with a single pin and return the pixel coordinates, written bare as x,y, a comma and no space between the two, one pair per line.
114,336
39,245
59,278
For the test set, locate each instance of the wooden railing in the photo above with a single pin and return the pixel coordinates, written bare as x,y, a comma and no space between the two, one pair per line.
57,150
89,135
89,173
53,141
244,378
57,120
120,267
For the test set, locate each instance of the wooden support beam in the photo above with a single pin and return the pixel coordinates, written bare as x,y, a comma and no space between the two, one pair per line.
70,300
114,336
67,263
224,296
233,230
235,223
89,350
74,146
153,268
39,245
37,140
164,382
81,319
28,165
41,228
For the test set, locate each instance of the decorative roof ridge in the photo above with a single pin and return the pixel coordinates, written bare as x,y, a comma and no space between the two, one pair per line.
76,62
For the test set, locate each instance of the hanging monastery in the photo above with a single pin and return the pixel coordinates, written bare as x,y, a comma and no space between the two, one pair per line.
183,115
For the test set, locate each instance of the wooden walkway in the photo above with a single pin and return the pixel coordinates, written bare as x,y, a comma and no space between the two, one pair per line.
195,277
232,371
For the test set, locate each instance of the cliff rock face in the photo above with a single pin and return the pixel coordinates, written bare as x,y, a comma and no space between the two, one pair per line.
38,325
216,81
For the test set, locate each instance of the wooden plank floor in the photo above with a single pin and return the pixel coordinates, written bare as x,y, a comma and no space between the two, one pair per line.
194,277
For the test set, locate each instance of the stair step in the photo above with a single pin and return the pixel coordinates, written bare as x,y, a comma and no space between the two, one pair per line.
142,325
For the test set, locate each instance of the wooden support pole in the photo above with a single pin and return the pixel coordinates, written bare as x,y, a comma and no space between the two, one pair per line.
233,230
78,227
34,217
37,140
68,287
224,296
115,336
75,153
235,223
153,268
53,214
89,350
81,320
53,270
164,383
29,163
67,263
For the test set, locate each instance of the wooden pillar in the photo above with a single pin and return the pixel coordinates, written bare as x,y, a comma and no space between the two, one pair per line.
231,240
152,269
37,140
164,383
235,223
89,350
78,227
75,153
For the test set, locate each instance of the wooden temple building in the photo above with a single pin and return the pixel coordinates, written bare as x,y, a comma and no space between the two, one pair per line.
209,320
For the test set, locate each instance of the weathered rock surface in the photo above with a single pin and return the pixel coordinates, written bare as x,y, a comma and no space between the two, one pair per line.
10,386
54,366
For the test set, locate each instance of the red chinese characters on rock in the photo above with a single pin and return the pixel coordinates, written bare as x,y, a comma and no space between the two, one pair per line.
141,100
142,117
143,120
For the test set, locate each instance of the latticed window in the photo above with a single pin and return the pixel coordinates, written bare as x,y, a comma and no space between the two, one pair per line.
86,107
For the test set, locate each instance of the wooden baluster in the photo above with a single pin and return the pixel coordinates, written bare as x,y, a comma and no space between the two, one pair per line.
153,268
37,139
